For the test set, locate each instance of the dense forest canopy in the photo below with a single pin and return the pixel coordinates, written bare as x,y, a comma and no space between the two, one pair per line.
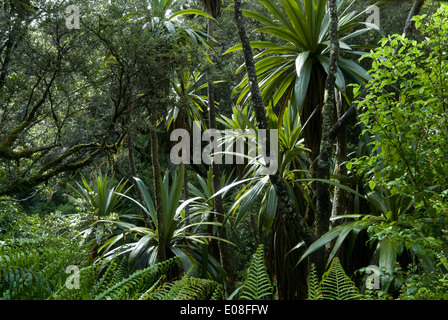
224,149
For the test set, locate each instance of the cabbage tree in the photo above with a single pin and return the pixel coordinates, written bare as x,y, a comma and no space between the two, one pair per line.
182,237
292,68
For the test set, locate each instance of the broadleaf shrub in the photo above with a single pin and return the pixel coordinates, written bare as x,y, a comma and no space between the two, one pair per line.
405,113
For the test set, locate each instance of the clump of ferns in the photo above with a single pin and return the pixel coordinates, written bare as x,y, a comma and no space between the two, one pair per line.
189,287
111,280
334,285
33,268
257,284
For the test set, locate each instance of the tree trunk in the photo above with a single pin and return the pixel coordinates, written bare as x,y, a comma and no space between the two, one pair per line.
286,206
186,196
133,170
224,254
158,194
311,120
340,195
409,25
324,161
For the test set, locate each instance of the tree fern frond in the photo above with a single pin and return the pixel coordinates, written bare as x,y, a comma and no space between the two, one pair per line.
218,293
148,293
314,292
336,285
31,269
188,289
108,276
136,282
257,285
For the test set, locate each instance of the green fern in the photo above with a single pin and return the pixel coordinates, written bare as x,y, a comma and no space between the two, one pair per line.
114,283
314,292
120,288
147,295
218,293
335,284
107,278
189,288
31,269
257,285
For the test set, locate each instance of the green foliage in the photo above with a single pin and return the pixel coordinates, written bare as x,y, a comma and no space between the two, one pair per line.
190,103
292,164
111,280
182,236
10,212
314,291
36,252
407,87
103,198
335,284
404,174
189,288
159,19
387,247
256,194
70,97
427,286
120,287
284,70
29,270
405,113
257,285
34,269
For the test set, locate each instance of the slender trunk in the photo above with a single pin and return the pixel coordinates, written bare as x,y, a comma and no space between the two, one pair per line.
311,116
186,196
158,194
286,210
324,161
340,195
409,25
5,63
133,169
286,206
185,184
224,253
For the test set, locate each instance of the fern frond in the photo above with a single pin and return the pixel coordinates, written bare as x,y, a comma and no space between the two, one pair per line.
257,285
104,282
218,293
314,292
137,282
87,279
336,285
148,293
188,289
31,269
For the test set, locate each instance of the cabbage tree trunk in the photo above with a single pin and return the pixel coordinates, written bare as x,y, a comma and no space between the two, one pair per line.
158,194
323,203
213,7
286,206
